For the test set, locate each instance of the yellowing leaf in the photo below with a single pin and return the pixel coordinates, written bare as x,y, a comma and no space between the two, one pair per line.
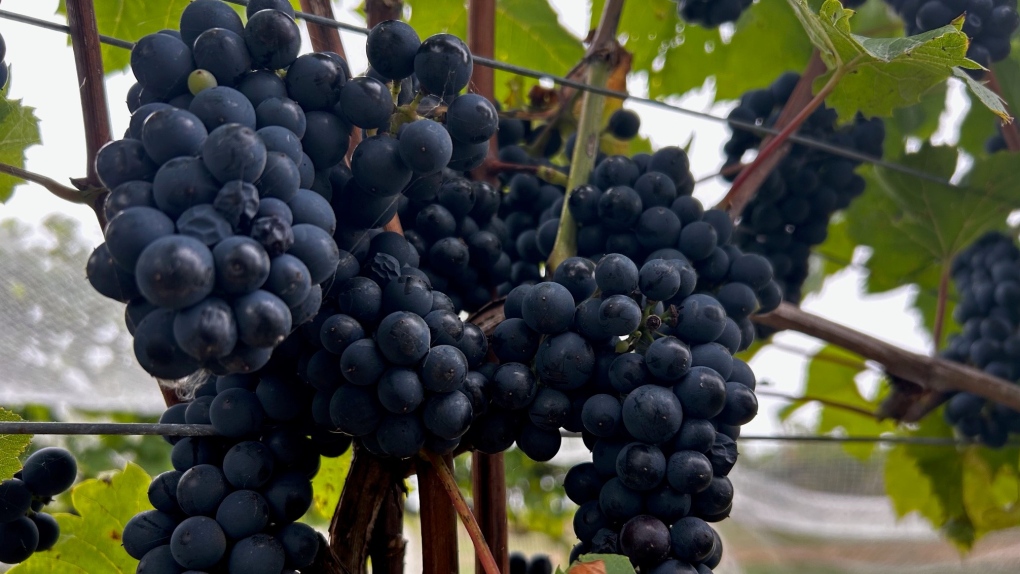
329,482
602,564
11,446
90,541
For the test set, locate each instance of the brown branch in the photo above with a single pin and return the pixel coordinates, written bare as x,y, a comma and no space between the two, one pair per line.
754,175
481,40
368,484
53,186
88,62
1010,131
324,38
929,374
438,518
444,474
387,546
381,10
488,490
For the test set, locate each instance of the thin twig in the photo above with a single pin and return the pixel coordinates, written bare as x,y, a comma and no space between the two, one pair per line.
940,308
53,186
820,400
726,170
445,476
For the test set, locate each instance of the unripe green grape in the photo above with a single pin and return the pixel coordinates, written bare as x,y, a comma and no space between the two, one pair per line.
200,80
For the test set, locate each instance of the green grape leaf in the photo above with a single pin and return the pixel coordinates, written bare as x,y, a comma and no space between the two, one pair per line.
430,17
528,34
130,20
920,120
646,28
329,483
991,489
19,130
926,478
90,540
967,492
752,58
915,227
11,446
879,75
830,383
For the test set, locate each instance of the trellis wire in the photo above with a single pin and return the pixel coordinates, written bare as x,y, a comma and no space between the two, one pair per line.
527,72
182,430
13,16
106,429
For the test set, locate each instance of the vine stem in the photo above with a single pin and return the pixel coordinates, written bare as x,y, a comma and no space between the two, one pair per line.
932,374
811,398
449,484
940,308
1010,131
88,63
600,59
751,177
51,185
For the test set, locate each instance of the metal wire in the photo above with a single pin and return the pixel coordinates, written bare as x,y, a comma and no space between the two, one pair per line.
28,427
527,72
915,440
61,28
162,429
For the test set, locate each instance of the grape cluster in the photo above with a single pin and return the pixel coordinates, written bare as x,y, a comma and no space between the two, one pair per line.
228,193
537,564
987,278
790,212
460,238
642,366
231,501
989,23
24,527
641,208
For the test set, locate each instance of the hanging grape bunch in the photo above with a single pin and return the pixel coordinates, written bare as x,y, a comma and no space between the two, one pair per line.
221,231
987,277
988,23
24,528
790,213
